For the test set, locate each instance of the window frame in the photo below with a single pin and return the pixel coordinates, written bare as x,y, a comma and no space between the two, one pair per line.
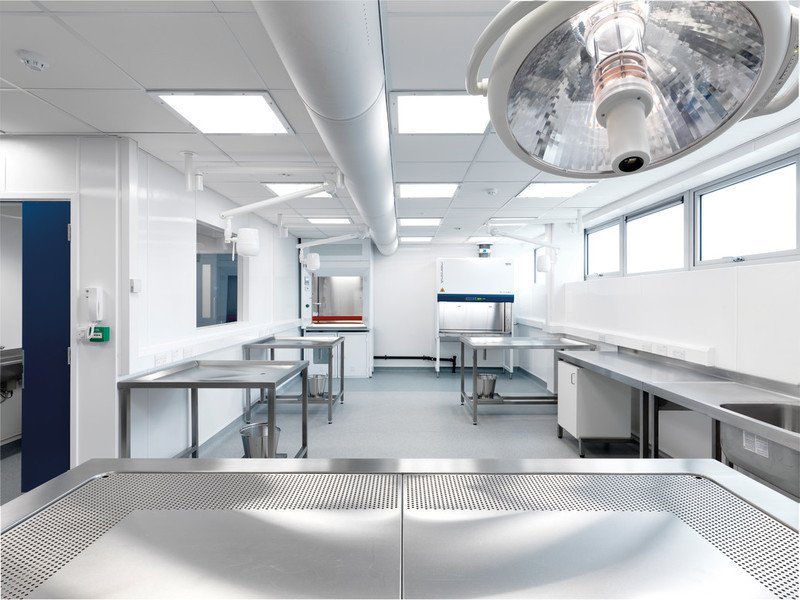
586,233
241,274
732,180
650,210
691,232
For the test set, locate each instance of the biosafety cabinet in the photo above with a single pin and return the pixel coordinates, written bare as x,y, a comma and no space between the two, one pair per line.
337,299
475,296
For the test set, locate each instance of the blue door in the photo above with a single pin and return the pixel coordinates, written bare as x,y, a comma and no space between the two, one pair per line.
45,341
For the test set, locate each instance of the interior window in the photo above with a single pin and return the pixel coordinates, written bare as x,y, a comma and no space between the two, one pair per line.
217,278
602,251
655,240
751,217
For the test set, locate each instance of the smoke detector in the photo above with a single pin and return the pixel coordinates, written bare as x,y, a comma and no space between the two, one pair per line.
601,89
33,60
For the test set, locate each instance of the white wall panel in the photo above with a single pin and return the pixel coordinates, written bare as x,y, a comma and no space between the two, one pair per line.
46,164
10,275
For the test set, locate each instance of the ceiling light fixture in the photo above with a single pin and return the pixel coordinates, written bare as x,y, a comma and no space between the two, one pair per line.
427,190
416,239
554,190
329,221
431,222
221,113
441,113
281,189
600,89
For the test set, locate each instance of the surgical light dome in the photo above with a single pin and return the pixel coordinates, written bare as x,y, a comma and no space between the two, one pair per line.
600,89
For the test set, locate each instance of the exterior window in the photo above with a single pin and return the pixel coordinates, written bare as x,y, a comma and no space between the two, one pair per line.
654,241
756,216
602,251
217,278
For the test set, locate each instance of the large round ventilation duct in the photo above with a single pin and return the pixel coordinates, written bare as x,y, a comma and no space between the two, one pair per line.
332,52
599,89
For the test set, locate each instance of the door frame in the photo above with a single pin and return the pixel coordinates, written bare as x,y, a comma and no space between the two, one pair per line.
74,266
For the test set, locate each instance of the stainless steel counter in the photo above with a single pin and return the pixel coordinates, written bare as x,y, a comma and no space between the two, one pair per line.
265,376
400,528
689,388
484,342
334,344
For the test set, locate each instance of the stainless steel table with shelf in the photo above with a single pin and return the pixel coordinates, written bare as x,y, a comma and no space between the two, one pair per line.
510,343
334,344
266,376
566,528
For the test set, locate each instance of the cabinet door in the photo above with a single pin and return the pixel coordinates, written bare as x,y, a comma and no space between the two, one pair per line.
568,397
356,362
604,407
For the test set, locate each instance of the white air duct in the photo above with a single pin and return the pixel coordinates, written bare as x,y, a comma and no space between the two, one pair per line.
332,51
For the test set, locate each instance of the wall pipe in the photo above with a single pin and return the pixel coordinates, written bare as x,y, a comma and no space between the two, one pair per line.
332,51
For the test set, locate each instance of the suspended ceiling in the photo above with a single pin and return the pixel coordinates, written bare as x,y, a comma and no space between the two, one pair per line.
105,56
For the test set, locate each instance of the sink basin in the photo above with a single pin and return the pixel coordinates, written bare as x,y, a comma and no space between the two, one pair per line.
10,366
785,416
773,462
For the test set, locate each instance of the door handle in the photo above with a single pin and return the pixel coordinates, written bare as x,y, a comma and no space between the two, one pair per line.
572,378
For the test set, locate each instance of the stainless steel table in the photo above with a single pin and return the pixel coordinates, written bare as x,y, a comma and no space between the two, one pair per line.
511,343
332,344
400,528
690,389
193,375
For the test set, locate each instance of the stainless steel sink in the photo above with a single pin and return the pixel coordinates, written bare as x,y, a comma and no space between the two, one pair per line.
772,462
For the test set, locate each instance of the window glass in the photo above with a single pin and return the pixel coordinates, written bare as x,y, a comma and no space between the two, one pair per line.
217,278
755,216
602,251
655,241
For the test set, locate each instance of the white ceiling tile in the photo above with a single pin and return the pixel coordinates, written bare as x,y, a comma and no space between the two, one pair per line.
534,203
168,146
588,201
490,7
477,190
487,202
316,147
20,6
430,172
73,64
494,150
320,205
240,189
128,6
501,171
442,148
531,213
22,113
113,111
262,148
428,204
257,45
170,51
294,110
561,213
234,6
430,52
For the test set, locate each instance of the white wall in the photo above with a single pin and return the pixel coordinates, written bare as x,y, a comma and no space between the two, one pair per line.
405,299
85,171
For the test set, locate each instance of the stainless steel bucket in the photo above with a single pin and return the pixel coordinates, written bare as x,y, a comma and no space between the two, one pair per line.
255,439
317,384
486,385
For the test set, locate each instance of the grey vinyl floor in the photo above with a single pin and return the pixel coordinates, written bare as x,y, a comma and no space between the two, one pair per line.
410,413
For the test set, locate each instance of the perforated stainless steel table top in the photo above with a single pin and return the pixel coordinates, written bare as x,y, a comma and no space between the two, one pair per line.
410,528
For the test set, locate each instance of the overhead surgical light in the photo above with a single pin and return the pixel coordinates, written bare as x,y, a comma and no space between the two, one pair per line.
600,89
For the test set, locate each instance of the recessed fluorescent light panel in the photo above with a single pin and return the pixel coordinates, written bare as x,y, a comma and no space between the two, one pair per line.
329,221
418,239
427,190
420,222
555,189
281,189
227,113
442,113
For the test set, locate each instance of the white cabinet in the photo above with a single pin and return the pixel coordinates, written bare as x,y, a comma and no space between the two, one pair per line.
357,357
591,406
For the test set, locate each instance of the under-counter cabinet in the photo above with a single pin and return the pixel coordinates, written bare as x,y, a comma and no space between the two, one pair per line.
591,406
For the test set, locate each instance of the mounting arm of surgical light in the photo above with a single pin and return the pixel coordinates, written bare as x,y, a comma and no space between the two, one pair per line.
329,186
313,265
537,241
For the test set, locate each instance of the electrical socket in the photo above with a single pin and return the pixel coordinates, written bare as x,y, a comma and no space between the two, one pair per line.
678,353
647,346
161,359
660,349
